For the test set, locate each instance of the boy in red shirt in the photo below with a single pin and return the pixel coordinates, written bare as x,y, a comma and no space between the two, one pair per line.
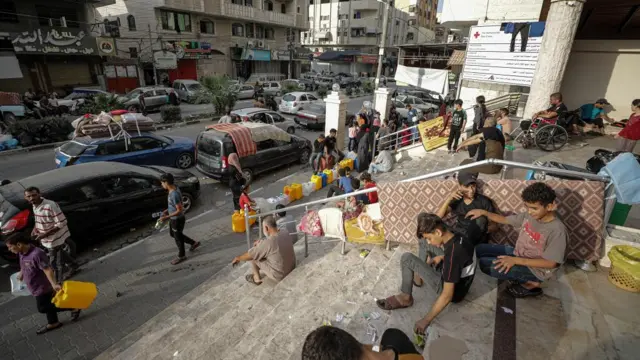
368,184
245,199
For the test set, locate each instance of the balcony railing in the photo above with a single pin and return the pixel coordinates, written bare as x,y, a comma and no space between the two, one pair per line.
257,15
365,5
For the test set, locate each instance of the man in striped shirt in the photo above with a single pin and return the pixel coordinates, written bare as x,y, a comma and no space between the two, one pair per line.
51,231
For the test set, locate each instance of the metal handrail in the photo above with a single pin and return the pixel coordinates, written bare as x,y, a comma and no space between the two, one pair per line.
505,163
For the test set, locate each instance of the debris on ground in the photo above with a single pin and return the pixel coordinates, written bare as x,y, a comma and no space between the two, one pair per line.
507,310
364,253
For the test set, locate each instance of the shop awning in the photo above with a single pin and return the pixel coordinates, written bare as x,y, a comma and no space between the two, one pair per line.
322,35
457,58
337,55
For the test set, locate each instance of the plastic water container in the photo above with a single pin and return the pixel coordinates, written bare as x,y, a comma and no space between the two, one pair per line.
317,182
308,188
346,163
284,200
237,222
288,191
297,190
335,174
75,295
329,174
18,288
324,179
355,164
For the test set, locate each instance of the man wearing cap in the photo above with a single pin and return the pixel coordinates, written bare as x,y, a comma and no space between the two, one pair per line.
593,115
463,199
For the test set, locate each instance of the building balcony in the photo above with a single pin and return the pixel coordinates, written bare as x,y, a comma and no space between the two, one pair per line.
363,41
365,5
368,22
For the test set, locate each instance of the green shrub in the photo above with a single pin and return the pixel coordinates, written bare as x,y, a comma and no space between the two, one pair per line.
170,113
289,88
102,102
348,91
218,92
322,91
368,87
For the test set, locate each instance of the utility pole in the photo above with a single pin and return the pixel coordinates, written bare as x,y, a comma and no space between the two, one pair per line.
383,43
155,71
290,58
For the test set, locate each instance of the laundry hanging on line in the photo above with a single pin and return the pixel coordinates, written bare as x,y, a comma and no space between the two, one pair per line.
526,30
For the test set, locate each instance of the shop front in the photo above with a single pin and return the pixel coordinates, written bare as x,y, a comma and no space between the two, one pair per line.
197,59
54,59
248,61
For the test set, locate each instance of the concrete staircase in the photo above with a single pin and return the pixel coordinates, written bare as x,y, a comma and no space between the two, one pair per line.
228,318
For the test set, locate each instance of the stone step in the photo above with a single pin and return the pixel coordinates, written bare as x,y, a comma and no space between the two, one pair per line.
233,306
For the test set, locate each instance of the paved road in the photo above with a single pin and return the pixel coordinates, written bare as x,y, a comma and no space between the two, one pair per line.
21,165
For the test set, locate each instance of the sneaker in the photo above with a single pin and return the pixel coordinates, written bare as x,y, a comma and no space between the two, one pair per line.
194,246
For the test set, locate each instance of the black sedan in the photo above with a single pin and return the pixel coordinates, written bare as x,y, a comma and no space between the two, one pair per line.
97,198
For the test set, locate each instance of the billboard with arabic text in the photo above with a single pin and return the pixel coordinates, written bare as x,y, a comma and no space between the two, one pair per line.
55,41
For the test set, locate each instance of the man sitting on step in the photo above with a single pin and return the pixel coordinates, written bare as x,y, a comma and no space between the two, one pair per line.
274,256
455,269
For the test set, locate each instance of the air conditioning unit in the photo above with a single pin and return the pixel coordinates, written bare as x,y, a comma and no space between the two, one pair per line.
260,43
251,44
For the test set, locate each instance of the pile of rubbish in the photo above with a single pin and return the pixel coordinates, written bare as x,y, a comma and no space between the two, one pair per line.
34,132
7,142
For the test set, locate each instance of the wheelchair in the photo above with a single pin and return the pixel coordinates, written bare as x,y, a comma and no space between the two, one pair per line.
546,134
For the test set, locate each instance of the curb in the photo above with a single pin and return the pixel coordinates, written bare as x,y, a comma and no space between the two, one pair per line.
56,144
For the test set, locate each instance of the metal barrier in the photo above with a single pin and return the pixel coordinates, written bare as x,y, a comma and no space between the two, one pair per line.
510,101
506,164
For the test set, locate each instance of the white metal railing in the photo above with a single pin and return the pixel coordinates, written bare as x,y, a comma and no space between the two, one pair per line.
610,202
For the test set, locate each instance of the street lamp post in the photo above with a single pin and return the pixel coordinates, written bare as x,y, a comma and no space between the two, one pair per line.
383,43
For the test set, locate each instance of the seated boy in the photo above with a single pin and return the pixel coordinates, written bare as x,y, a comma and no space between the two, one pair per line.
344,184
456,270
540,247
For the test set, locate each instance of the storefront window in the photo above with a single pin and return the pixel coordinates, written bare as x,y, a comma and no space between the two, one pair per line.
237,29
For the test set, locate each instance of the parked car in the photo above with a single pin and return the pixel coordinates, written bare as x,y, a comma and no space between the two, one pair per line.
187,90
326,81
78,96
262,78
213,148
402,111
313,115
291,102
427,96
417,103
98,199
272,88
245,91
154,98
143,149
266,116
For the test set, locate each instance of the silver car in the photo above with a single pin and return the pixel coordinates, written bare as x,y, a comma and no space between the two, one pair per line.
272,88
245,91
154,98
313,115
417,103
265,116
403,112
188,90
292,102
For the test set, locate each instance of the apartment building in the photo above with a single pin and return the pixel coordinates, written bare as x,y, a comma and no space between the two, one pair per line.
352,25
47,46
422,13
208,37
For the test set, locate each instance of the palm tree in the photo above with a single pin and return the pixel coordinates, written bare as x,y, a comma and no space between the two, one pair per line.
218,91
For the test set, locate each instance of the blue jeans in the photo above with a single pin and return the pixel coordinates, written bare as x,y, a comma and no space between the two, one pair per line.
416,133
315,157
487,253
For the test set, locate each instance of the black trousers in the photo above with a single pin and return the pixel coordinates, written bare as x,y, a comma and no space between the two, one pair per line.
46,307
523,29
176,228
59,259
334,190
454,137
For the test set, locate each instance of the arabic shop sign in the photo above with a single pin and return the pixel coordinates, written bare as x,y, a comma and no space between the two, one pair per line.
54,41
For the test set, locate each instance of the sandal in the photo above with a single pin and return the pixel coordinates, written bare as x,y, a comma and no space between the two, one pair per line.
251,280
178,260
75,314
46,328
392,303
519,291
194,246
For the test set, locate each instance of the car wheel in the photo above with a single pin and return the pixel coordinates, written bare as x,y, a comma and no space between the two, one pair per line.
184,161
187,201
304,156
291,130
248,175
278,93
133,108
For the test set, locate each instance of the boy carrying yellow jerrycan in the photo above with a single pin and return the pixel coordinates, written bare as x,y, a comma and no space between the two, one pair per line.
75,295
